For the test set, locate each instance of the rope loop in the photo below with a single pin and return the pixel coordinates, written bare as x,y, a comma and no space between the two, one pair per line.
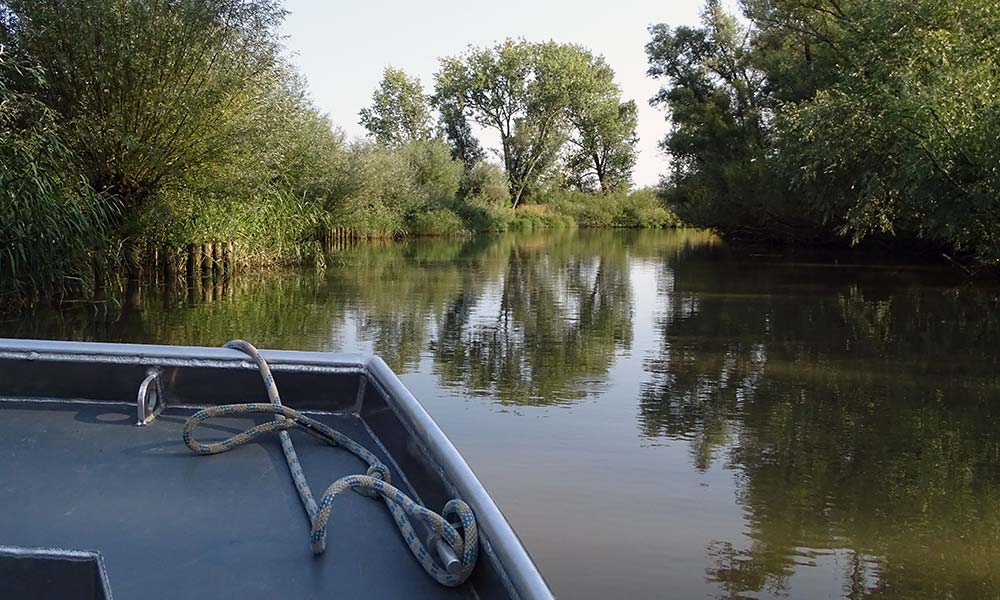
374,483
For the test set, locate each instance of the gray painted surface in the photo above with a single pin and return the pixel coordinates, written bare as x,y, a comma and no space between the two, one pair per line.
77,473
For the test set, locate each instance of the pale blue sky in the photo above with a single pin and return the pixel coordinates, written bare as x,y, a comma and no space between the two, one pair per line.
342,46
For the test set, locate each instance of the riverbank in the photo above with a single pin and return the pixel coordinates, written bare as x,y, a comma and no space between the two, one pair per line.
192,245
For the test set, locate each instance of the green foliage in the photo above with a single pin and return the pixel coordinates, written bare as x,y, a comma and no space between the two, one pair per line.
910,125
530,217
436,176
639,209
437,221
50,220
156,91
182,115
532,94
486,185
376,187
719,172
275,200
400,112
179,122
603,145
383,189
456,129
270,226
849,118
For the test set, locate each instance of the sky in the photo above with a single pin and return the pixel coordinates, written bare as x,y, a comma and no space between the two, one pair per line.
342,46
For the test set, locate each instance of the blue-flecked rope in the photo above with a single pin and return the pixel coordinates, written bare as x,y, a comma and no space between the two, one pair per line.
375,483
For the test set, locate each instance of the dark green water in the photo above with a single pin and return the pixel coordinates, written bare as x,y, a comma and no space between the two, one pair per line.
659,415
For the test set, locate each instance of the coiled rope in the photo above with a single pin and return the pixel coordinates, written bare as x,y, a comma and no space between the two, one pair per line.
374,483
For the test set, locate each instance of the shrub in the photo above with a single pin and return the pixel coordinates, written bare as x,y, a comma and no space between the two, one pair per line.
641,208
529,217
485,184
439,221
436,176
375,188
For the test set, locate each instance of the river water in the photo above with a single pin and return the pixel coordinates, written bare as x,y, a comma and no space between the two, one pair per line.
660,415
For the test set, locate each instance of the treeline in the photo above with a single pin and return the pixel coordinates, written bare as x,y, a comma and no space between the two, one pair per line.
170,137
829,120
566,142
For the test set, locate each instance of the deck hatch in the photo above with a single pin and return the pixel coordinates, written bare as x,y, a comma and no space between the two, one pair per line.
52,574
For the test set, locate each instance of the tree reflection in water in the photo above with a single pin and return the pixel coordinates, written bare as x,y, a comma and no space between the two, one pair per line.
860,424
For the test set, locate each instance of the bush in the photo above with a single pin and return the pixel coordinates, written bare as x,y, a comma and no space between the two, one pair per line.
439,221
529,217
640,209
271,225
435,175
485,184
375,189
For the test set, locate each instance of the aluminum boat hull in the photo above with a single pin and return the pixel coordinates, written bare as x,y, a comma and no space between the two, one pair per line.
78,475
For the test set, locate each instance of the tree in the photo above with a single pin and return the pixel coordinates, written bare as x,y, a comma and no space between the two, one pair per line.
455,126
524,92
156,90
828,119
604,145
49,217
722,175
902,138
603,138
400,111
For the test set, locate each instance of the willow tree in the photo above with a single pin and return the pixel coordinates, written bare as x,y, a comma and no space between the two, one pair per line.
49,218
524,92
149,92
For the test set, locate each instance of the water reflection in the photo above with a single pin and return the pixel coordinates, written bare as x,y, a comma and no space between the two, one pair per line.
854,405
553,318
858,410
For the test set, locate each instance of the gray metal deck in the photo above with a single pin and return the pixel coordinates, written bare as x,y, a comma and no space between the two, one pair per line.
171,524
77,473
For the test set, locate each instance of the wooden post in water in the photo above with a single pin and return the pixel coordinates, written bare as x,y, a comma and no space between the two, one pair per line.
193,262
206,260
169,265
227,258
168,257
194,288
217,259
133,260
206,288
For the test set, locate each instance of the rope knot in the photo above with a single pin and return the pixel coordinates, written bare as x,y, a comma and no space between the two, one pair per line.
379,472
